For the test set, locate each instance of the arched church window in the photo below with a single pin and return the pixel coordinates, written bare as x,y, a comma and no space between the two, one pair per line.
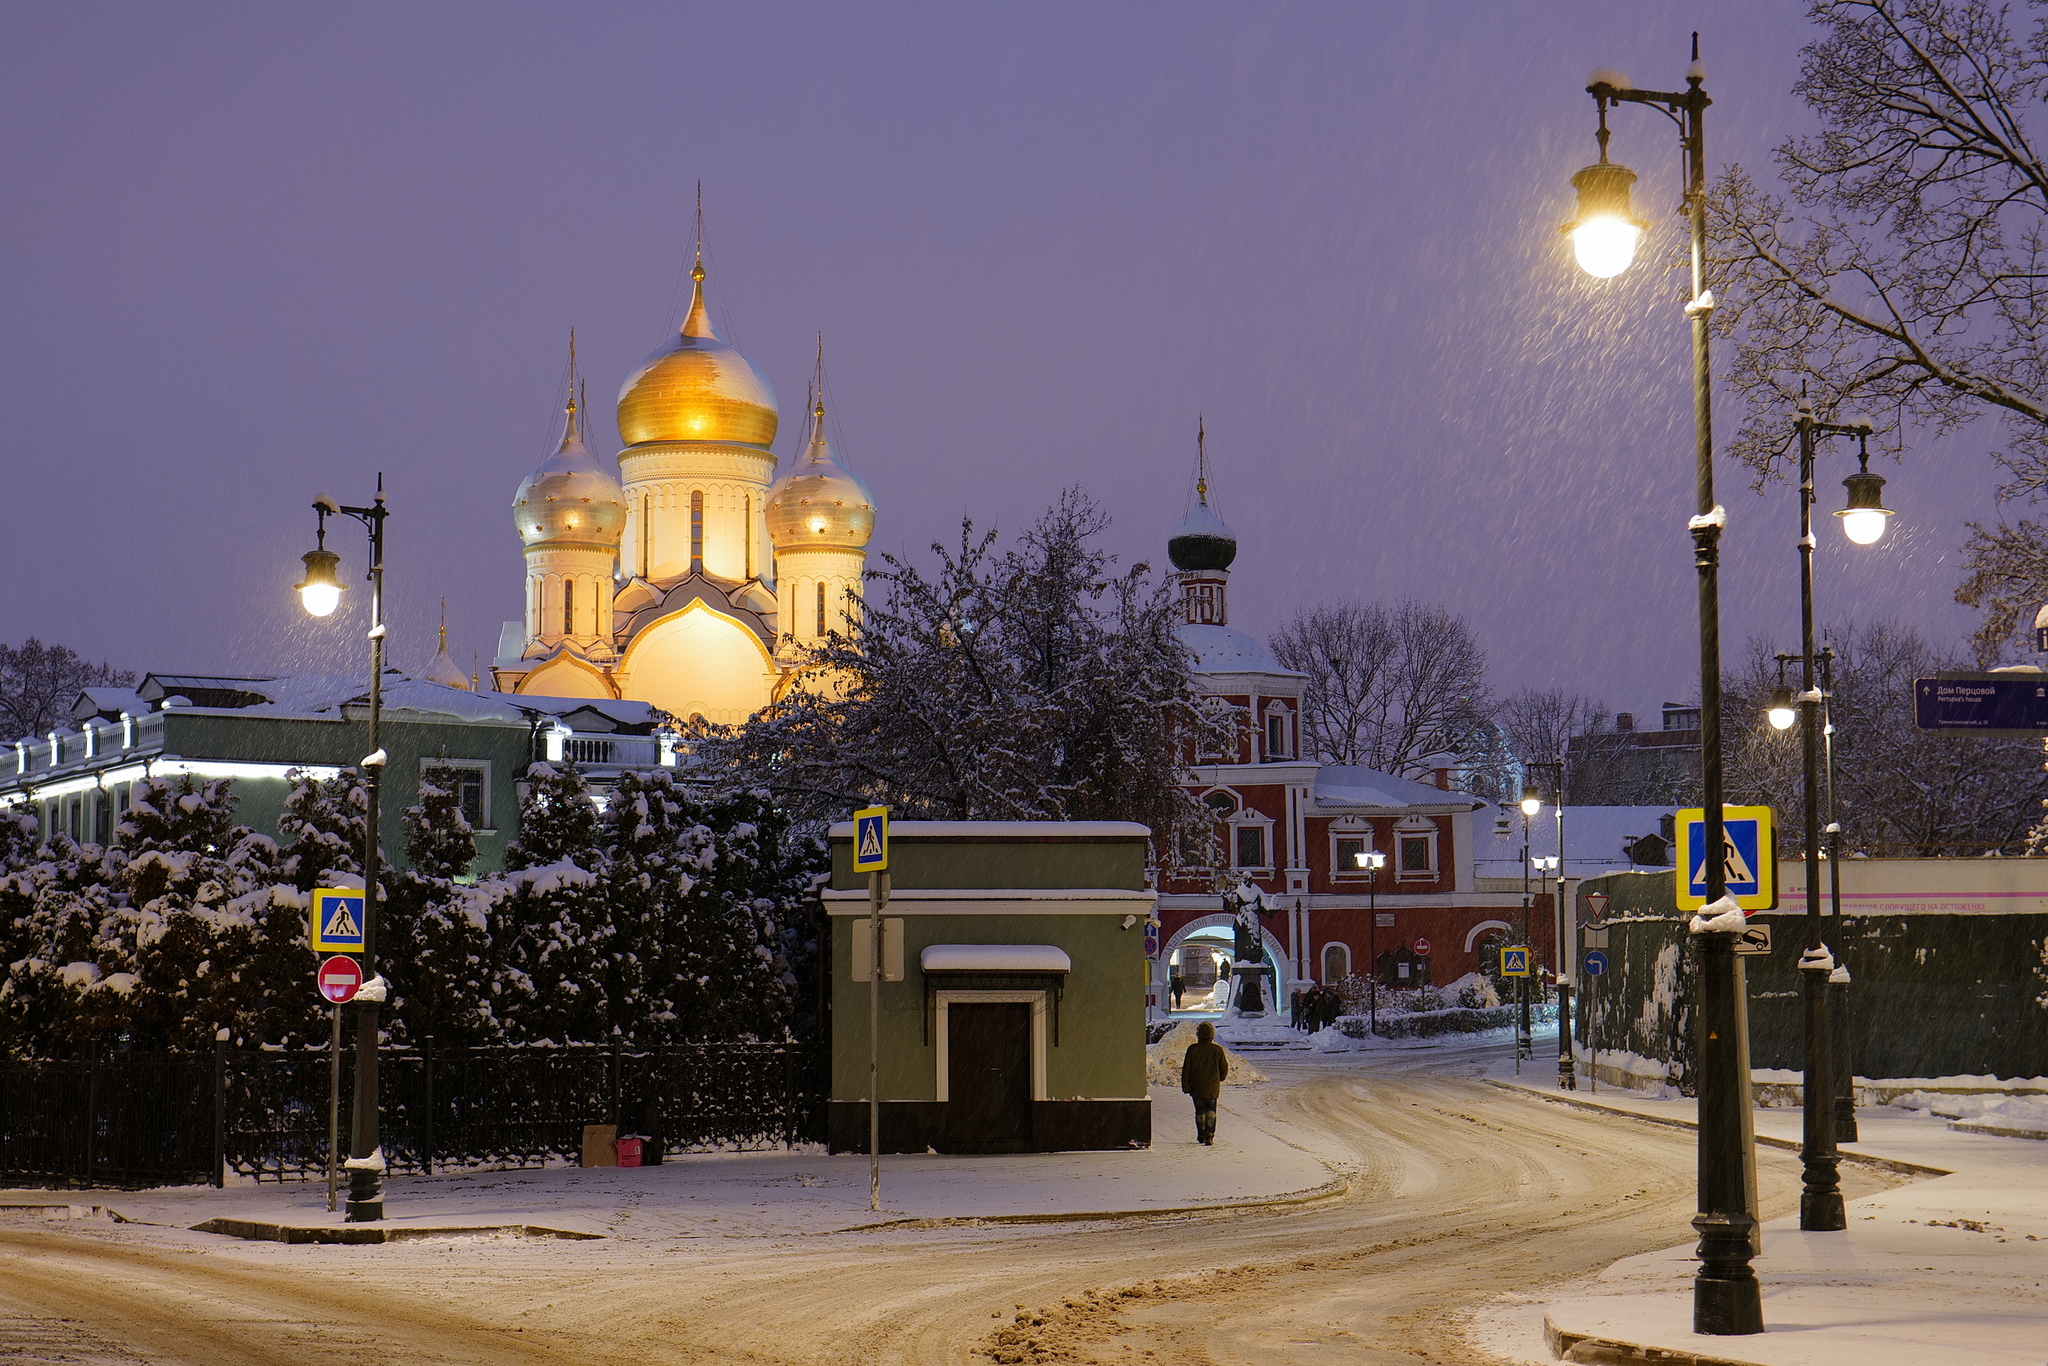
568,607
750,535
696,531
821,611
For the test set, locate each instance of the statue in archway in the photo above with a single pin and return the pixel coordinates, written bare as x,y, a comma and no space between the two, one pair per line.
1248,906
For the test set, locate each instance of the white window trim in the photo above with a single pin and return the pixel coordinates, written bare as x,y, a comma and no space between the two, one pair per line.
941,1032
1278,711
1351,828
1403,873
481,766
1248,816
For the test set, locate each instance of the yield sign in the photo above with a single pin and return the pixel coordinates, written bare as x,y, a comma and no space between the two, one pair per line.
338,979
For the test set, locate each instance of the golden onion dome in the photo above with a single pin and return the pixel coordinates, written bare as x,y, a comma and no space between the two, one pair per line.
698,389
820,502
572,499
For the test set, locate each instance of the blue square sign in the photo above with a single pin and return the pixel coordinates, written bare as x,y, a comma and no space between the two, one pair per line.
337,920
1749,857
871,839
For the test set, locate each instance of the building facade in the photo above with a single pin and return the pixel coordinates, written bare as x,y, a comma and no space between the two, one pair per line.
1294,829
690,577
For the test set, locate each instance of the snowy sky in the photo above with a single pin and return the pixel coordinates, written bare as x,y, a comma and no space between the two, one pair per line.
258,252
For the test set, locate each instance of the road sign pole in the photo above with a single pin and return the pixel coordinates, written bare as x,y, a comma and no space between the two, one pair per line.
878,897
333,1106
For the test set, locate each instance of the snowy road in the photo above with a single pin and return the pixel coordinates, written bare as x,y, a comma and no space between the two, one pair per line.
1459,1191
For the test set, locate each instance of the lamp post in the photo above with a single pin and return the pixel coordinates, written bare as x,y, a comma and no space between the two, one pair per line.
1863,521
1838,999
1525,1044
1567,1070
1726,1298
1372,860
321,593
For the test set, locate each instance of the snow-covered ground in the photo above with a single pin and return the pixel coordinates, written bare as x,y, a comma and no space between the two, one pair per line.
1950,1267
802,1191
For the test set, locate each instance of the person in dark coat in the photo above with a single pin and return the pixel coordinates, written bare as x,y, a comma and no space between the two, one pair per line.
1201,1075
1177,984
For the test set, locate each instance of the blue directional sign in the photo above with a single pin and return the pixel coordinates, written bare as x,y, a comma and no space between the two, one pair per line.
871,839
1596,962
1749,857
337,920
1988,706
1514,962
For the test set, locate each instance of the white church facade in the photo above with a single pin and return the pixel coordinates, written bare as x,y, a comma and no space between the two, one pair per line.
692,579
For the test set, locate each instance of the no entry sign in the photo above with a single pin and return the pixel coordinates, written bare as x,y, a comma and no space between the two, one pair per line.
337,980
1422,948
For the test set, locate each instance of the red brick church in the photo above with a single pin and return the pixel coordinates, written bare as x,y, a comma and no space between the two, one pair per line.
1295,828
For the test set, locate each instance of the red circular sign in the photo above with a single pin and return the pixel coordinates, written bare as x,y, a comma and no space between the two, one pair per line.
338,979
1422,947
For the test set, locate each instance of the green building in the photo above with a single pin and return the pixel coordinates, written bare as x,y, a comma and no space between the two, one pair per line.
1012,992
256,730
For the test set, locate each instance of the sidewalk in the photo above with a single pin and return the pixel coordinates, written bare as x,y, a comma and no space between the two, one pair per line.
777,1194
1951,1266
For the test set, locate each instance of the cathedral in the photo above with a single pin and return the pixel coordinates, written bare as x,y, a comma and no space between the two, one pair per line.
693,579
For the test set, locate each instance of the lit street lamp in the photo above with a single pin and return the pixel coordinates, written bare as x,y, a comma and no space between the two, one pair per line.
1863,521
1567,1069
1372,861
321,592
1726,1298
1525,1043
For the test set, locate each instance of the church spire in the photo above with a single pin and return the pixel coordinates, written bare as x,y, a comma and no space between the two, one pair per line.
1202,547
444,670
697,322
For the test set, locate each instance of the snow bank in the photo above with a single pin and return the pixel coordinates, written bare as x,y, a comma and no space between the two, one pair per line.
1163,1059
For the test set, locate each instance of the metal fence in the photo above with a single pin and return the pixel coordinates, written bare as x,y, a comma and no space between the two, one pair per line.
129,1119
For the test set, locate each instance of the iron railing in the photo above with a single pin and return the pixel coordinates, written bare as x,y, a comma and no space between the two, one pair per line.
131,1119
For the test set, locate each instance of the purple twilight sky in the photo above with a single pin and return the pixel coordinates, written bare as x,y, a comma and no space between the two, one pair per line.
260,251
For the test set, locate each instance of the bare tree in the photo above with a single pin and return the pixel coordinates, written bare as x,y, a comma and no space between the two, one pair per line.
1389,687
1906,276
38,684
1902,792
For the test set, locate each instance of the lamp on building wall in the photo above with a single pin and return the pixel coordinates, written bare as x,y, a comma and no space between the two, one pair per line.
321,593
1726,1298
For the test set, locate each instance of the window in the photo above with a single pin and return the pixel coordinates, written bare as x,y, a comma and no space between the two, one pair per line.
821,611
1416,849
1336,963
1251,846
697,531
1346,850
749,519
467,779
568,607
1278,742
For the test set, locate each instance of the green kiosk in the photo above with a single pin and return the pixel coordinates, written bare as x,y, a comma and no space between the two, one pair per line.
1012,991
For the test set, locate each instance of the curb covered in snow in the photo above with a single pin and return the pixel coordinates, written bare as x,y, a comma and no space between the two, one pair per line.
1329,1190
1890,1164
352,1234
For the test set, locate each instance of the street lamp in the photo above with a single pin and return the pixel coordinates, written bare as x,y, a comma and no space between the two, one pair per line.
1820,1199
1372,861
1567,1069
1726,1298
1782,712
1524,1038
321,592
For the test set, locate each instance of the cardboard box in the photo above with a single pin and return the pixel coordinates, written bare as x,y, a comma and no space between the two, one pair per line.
600,1145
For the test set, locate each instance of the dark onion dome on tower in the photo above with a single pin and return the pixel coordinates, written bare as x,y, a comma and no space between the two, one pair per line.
1202,540
697,388
571,499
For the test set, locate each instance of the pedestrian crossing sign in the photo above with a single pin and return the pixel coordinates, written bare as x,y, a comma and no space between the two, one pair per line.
337,920
1514,962
871,839
1749,857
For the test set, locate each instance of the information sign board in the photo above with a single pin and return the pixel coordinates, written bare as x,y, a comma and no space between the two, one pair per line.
1986,706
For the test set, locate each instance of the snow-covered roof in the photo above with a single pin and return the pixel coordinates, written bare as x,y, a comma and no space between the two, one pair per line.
1222,650
994,958
843,830
1593,838
107,702
1350,785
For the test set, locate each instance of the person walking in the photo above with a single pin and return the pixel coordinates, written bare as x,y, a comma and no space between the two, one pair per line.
1177,984
1201,1075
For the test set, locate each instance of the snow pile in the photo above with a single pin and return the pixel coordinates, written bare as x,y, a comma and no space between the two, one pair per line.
2004,1111
1163,1059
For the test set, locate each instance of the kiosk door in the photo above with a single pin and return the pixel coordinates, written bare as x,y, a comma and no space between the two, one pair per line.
988,1077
